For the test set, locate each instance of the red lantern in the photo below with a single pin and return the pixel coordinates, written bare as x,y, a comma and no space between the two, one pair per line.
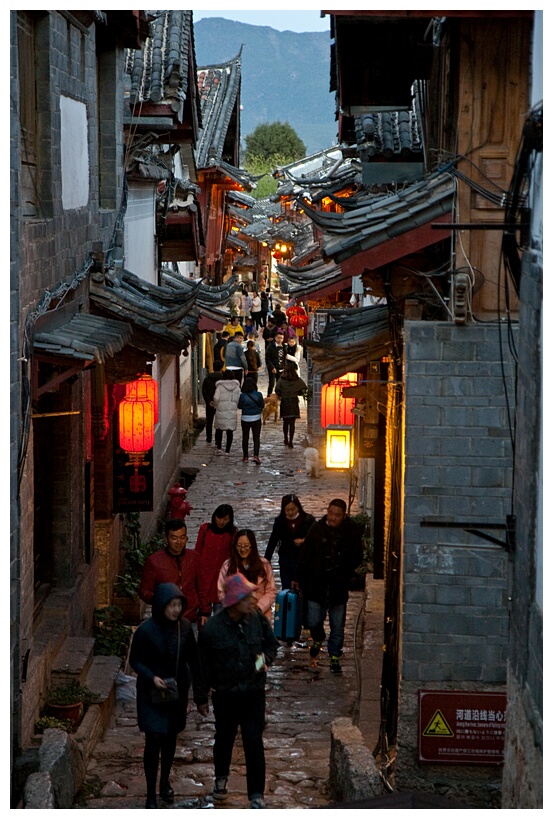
299,321
335,409
295,310
136,422
151,391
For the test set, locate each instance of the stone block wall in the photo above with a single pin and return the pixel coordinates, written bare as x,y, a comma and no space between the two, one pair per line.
456,586
523,778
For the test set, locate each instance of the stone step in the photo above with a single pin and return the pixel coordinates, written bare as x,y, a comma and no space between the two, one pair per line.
73,660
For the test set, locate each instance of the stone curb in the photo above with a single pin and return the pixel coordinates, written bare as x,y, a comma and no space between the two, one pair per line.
353,772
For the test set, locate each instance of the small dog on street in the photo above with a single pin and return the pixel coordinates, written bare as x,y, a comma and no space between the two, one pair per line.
271,407
312,462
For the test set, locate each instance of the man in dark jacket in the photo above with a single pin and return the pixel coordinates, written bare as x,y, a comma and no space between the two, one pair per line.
220,347
208,391
275,358
331,552
236,646
174,564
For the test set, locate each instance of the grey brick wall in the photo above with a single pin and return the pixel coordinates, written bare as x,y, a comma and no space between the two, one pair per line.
458,465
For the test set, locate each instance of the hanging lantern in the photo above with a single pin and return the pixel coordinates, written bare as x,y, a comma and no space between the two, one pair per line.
299,321
152,391
335,409
295,310
136,421
339,447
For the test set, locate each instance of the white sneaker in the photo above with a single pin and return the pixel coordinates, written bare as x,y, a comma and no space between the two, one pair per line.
219,452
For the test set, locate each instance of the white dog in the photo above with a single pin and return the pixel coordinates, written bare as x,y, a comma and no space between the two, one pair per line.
312,462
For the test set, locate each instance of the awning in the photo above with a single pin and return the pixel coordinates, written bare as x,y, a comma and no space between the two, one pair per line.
80,337
315,280
350,341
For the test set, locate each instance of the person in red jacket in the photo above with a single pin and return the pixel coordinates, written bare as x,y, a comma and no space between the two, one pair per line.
174,564
212,549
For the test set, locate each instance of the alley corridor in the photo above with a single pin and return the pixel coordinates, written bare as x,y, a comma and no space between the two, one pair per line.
301,703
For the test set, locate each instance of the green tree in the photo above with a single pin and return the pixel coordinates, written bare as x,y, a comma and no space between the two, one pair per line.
274,139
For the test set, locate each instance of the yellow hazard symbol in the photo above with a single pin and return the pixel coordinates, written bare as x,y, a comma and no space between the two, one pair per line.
437,727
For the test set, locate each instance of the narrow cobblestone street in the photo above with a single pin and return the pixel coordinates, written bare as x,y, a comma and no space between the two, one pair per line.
301,702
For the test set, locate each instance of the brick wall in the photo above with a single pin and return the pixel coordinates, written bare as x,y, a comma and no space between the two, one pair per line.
458,465
50,248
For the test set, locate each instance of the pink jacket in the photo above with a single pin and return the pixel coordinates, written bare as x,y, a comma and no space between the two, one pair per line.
265,595
212,550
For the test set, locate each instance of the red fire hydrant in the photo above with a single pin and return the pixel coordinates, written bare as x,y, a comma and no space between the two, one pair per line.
179,507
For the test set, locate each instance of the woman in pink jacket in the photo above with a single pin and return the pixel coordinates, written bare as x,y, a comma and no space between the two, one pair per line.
213,546
245,558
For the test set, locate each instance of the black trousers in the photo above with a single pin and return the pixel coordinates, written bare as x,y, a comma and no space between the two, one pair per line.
209,416
156,745
255,427
247,711
219,439
273,378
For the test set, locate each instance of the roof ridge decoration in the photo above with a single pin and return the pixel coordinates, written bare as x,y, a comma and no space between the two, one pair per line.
218,91
159,71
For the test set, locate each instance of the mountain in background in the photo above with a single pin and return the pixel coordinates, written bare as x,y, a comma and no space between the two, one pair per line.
285,76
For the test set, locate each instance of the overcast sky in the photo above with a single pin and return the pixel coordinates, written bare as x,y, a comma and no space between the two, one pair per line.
283,20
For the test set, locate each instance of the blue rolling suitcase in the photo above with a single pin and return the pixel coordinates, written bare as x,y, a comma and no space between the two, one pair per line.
288,615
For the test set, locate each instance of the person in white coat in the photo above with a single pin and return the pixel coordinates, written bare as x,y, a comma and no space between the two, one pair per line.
225,401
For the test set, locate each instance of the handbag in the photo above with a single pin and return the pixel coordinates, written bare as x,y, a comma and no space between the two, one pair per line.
171,693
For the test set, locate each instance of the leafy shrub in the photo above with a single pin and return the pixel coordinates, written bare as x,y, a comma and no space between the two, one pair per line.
43,723
69,693
112,637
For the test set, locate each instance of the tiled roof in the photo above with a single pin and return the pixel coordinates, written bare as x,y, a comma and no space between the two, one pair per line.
82,337
381,218
159,72
317,175
391,135
218,90
205,295
303,281
162,317
353,338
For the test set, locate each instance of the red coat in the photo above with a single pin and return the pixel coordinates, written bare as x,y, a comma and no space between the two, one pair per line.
212,550
162,567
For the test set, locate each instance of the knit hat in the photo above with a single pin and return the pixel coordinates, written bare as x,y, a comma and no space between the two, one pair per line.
236,588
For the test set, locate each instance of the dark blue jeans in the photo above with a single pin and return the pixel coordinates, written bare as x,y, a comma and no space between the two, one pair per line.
316,613
246,710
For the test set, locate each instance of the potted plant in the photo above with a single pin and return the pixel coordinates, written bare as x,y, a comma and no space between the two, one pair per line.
67,700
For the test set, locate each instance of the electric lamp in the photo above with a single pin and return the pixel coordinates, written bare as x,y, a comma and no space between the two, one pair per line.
339,447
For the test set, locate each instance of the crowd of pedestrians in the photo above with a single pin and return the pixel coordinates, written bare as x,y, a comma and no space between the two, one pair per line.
237,362
211,627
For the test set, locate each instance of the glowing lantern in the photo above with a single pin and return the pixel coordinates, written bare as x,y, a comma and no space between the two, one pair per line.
151,388
136,422
339,447
335,409
299,321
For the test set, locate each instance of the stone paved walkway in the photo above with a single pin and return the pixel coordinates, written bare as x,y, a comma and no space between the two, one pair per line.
301,703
